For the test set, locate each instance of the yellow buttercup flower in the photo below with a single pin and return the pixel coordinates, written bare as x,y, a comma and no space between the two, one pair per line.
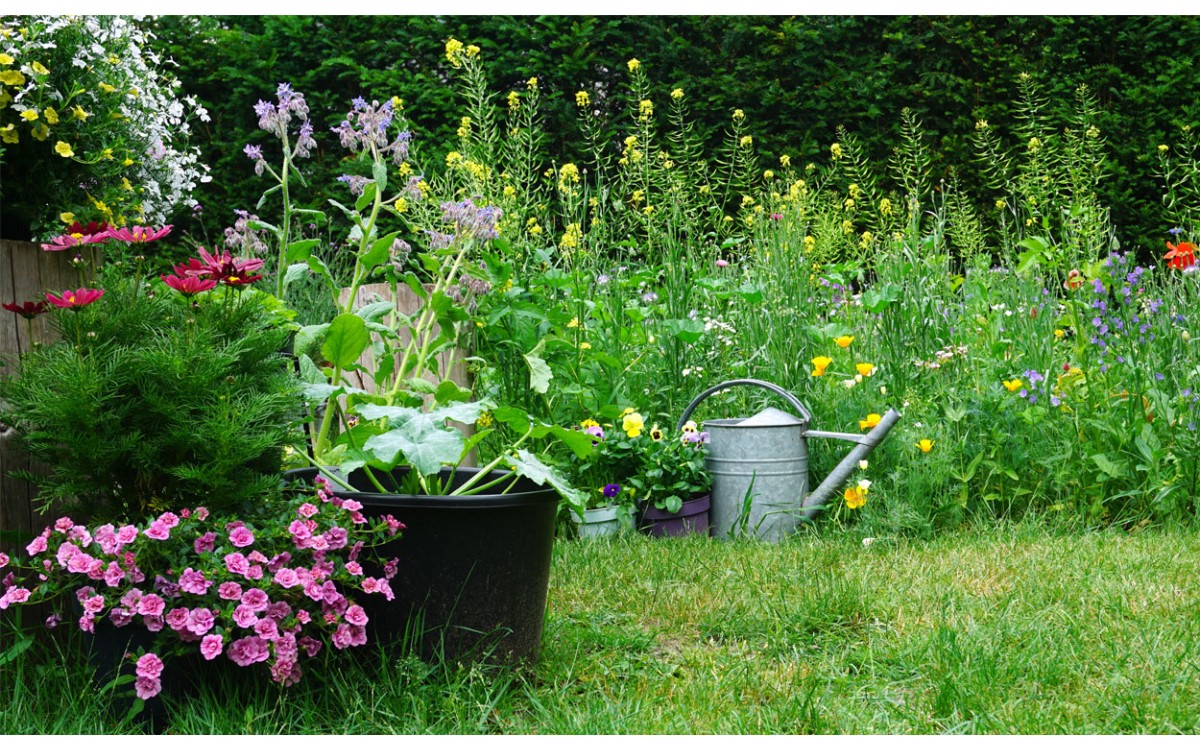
820,364
925,445
865,369
1013,384
1059,333
869,422
63,149
29,115
844,341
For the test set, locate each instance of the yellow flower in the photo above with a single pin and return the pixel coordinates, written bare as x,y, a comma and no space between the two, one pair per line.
1059,333
690,427
589,423
400,205
925,445
509,191
67,217
645,109
9,134
453,52
51,115
633,424
531,84
869,422
29,115
12,78
810,243
885,207
108,89
677,94
634,64
582,99
41,131
472,50
656,434
785,161
574,323
514,100
485,420
768,175
865,369
127,163
1162,147
1013,384
746,141
585,346
5,59
739,114
63,149
628,410
835,151
39,69
820,364
844,341
126,185
856,497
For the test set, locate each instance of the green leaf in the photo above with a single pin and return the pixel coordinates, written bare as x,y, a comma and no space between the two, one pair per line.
540,373
346,340
421,441
378,252
299,251
379,172
294,271
531,467
368,195
448,391
1113,469
579,442
375,310
685,329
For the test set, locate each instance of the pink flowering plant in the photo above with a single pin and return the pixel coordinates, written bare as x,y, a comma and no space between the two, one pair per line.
274,590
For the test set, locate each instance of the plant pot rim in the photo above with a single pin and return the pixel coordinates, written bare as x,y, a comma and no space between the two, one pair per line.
526,491
691,506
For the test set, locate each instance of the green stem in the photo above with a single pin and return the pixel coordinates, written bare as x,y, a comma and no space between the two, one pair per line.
285,228
483,472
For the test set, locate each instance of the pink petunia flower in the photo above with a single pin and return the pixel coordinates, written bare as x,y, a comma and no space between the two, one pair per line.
3,559
241,537
244,617
355,615
149,665
151,605
94,605
113,575
170,519
248,650
126,534
64,524
308,510
267,629
255,572
177,619
194,582
158,530
37,546
200,620
211,646
256,599
230,591
147,687
235,562
206,542
353,568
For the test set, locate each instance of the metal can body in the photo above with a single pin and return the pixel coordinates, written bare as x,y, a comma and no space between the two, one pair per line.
760,478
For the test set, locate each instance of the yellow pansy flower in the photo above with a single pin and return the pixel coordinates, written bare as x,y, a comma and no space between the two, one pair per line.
633,424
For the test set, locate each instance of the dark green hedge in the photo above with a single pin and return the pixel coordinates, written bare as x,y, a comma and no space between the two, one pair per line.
796,78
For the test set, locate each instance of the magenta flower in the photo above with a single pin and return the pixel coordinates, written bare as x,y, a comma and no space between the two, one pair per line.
14,595
113,575
355,615
151,605
235,562
158,530
206,542
394,526
267,629
73,300
27,310
721,263
3,559
308,510
353,568
200,620
244,616
287,578
189,285
211,646
241,537
78,234
37,546
169,519
139,234
149,665
126,534
177,618
256,599
248,650
147,687
230,591
194,582
223,267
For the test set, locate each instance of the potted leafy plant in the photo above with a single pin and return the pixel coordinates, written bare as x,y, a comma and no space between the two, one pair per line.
672,483
478,552
606,473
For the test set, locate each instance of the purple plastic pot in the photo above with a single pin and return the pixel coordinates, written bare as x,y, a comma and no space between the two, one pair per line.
691,518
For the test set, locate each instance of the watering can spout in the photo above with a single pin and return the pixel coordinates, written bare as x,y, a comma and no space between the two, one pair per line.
865,444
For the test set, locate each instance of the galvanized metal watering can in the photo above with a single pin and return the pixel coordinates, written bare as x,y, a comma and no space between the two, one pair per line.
759,466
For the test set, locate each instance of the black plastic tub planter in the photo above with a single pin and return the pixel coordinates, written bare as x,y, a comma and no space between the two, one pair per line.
473,571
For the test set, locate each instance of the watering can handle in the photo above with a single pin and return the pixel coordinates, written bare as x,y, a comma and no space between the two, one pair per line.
795,402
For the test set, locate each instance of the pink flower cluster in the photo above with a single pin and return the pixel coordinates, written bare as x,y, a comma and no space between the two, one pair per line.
272,591
93,233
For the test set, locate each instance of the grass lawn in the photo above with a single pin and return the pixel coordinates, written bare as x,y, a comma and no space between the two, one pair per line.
1014,629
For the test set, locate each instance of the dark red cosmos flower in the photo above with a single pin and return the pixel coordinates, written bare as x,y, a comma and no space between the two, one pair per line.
1180,256
223,267
27,310
189,285
73,300
139,234
79,234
